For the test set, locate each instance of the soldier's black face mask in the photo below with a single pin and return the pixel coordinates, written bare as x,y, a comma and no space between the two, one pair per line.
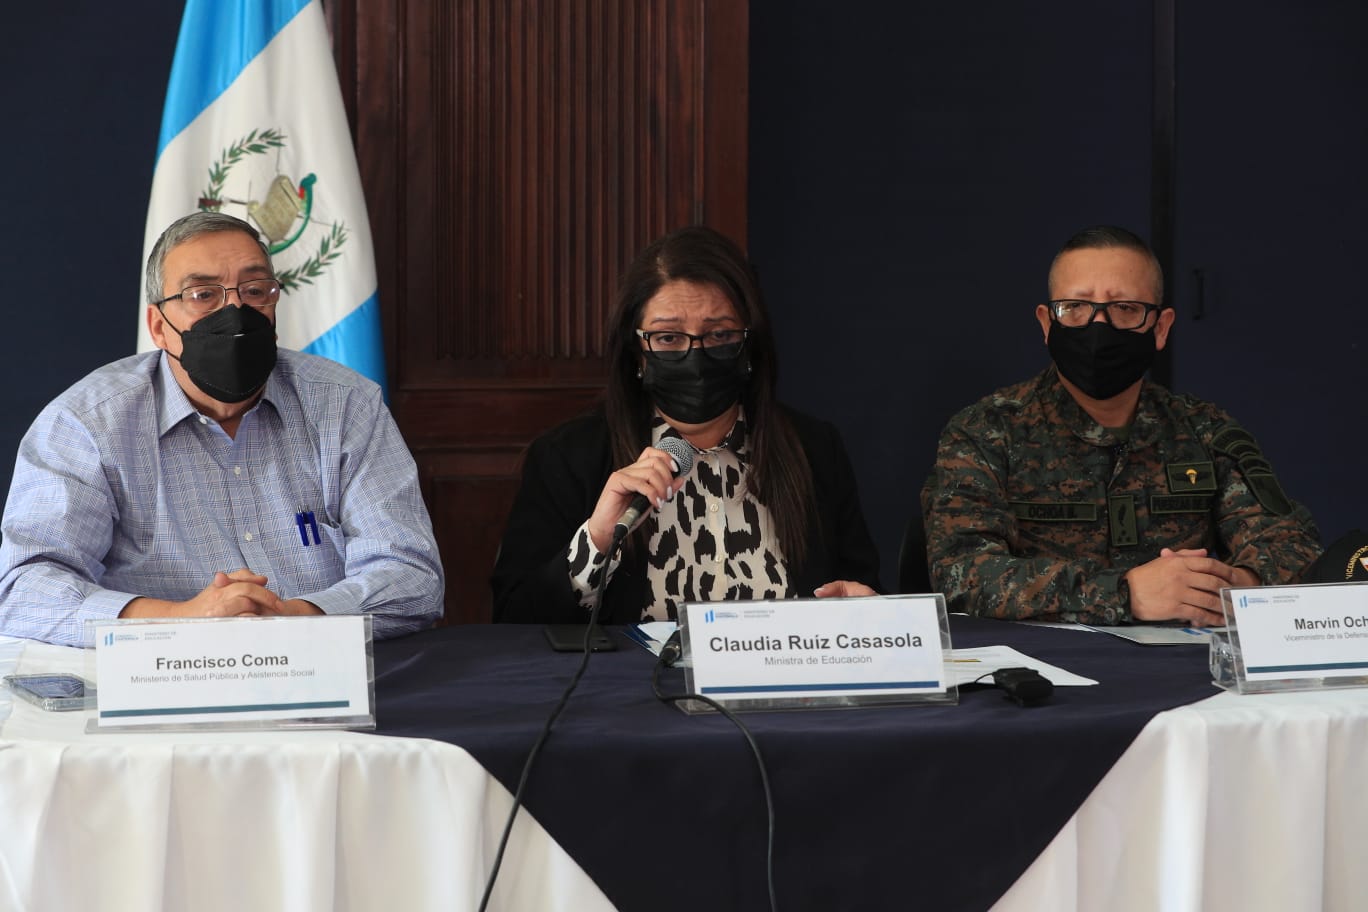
697,388
230,353
1100,359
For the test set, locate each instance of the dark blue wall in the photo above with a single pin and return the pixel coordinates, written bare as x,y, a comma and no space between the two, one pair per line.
913,168
1272,193
81,90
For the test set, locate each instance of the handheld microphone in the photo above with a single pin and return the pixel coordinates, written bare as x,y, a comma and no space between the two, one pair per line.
672,650
683,456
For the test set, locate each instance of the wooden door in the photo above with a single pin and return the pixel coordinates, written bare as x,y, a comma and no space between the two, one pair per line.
515,155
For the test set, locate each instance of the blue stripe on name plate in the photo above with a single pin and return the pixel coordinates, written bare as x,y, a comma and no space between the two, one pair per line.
1322,666
789,688
212,710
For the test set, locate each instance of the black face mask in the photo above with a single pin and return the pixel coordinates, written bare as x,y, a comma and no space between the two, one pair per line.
1100,359
697,388
230,353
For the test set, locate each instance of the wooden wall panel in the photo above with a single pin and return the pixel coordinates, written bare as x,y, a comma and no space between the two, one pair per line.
515,155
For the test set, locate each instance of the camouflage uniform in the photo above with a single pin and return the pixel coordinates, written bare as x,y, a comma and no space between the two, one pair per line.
1035,510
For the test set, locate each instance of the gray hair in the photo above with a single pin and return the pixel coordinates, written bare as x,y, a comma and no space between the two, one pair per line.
184,229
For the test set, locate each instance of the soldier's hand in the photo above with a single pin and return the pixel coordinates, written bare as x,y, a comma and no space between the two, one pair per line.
1242,577
1184,586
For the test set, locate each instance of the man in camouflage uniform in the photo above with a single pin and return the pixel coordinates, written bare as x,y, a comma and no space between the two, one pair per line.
1091,494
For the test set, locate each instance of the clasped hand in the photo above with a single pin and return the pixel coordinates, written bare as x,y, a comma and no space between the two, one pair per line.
241,593
1183,585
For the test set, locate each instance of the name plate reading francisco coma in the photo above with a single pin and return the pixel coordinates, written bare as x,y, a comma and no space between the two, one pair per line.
1298,637
234,673
818,653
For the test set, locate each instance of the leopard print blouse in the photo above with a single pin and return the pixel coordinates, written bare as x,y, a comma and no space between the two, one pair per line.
712,541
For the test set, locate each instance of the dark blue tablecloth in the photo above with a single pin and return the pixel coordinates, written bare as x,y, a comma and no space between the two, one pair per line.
919,807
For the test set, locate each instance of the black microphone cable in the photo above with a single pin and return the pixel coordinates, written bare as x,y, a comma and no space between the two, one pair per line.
619,534
670,653
682,454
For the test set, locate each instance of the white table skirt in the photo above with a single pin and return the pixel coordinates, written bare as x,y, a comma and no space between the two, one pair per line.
330,821
1235,803
1238,803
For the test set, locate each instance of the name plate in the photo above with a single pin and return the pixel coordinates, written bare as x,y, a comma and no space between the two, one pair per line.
238,673
819,653
1298,637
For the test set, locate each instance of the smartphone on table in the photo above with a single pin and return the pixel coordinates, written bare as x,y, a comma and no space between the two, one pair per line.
53,692
570,638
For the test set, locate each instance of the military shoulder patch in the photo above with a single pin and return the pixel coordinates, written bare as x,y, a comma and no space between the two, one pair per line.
1238,444
1266,488
1233,440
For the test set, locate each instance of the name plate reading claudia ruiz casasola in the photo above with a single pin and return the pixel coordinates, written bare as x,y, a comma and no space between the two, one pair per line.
1299,637
819,653
257,673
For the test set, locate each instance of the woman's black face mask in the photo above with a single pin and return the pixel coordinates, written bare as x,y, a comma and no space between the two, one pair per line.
697,388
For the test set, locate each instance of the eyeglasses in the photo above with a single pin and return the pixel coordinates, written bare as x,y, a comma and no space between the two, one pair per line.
202,300
672,345
1120,314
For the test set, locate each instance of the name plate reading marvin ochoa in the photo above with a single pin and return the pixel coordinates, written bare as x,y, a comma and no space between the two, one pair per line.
819,652
234,672
1306,636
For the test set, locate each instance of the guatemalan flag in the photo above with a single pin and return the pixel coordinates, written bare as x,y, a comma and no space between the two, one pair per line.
254,126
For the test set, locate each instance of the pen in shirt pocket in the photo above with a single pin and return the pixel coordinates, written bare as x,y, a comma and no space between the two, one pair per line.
305,521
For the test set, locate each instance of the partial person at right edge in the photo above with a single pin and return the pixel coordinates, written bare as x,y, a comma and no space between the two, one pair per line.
770,508
1091,494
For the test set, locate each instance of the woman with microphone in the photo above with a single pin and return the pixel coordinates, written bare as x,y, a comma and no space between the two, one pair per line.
768,509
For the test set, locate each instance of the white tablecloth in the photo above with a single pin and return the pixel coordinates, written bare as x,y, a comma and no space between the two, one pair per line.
1238,803
329,821
1235,803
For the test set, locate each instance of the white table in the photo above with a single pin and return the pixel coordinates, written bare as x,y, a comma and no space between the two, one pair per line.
1239,803
330,821
1234,803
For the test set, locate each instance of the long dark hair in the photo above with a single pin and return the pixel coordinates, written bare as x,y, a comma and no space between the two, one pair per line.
779,474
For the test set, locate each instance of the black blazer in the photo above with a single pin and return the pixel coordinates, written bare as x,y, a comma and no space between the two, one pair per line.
563,475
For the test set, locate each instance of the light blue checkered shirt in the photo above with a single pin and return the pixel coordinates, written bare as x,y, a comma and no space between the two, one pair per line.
122,489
